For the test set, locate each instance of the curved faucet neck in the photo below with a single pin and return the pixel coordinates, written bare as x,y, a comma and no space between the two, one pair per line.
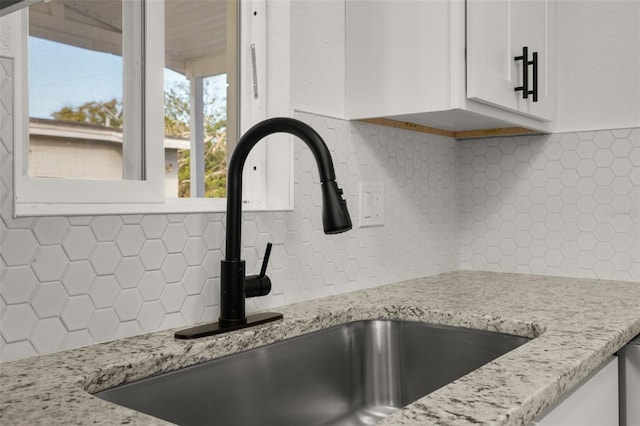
236,165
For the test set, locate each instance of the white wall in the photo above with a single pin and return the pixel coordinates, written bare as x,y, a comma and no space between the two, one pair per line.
598,65
278,151
318,57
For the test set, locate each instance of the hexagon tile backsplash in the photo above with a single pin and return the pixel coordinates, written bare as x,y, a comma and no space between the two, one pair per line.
564,204
73,281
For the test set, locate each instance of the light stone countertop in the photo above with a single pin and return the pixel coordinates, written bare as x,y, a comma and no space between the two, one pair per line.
577,325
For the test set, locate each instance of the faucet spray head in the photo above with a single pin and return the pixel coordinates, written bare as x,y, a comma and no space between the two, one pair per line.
335,216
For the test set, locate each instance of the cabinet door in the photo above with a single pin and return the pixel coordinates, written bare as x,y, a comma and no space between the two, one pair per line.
397,57
592,403
497,30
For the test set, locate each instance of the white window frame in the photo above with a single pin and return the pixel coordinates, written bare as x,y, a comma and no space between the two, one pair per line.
34,196
253,65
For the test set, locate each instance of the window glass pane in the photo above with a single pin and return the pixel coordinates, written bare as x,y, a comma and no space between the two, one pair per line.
75,89
197,61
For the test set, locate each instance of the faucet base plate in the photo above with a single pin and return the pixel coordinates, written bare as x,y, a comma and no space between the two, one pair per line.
213,328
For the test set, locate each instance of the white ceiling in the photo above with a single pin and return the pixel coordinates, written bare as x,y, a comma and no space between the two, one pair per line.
195,30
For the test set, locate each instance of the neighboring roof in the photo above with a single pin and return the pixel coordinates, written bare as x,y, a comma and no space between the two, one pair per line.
73,130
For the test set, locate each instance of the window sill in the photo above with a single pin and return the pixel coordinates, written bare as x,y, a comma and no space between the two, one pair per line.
170,206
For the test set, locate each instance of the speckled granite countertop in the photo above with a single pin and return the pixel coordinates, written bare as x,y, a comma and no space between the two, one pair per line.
577,324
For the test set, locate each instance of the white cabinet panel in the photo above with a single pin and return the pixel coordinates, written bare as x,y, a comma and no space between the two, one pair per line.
394,53
592,403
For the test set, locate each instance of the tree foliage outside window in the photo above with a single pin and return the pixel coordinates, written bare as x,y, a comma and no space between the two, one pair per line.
177,114
177,125
107,114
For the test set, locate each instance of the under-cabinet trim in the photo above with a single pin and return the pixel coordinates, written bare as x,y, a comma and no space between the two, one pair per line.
465,134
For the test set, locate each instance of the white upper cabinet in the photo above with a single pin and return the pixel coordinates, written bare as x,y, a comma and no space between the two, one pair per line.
406,60
498,32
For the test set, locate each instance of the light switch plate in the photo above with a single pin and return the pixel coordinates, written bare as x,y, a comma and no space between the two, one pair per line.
371,212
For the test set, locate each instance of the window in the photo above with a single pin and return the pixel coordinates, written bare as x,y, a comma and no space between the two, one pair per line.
200,51
79,112
117,135
197,167
109,152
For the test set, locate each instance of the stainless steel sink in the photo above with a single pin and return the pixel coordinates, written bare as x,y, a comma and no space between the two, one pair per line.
352,374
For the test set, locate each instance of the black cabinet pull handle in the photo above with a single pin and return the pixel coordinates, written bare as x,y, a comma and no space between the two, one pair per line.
534,62
525,74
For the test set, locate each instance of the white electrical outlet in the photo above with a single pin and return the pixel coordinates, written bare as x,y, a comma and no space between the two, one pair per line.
371,211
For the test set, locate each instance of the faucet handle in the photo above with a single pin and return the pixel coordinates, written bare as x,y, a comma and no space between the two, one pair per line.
265,260
259,285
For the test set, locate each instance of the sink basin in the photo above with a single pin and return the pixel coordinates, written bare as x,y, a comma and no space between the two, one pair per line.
352,374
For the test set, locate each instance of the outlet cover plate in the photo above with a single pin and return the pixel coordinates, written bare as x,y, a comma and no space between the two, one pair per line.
371,197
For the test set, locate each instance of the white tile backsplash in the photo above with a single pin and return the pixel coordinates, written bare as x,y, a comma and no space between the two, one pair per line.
564,204
73,281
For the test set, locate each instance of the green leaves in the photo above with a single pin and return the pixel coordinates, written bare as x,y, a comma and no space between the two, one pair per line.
177,124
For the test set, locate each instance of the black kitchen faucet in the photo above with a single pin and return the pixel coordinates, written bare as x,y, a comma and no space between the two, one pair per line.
234,285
